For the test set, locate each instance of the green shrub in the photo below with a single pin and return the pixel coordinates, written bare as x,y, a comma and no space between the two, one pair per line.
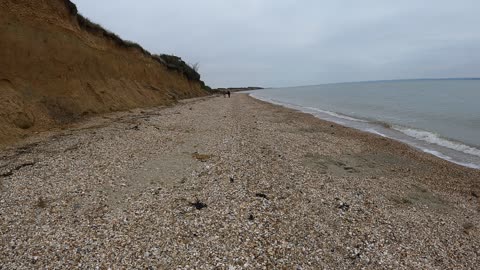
176,63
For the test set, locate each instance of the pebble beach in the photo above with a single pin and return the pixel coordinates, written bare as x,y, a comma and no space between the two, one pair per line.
231,183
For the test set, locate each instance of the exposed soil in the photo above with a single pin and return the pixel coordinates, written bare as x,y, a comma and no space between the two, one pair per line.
53,72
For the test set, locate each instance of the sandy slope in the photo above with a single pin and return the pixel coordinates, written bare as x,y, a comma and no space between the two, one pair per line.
52,71
233,184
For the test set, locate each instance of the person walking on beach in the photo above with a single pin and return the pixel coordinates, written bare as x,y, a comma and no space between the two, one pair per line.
228,93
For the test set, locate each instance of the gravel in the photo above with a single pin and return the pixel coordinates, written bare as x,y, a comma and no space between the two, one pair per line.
231,183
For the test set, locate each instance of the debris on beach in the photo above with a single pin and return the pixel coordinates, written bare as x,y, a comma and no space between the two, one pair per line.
41,203
198,205
201,157
136,127
344,206
261,195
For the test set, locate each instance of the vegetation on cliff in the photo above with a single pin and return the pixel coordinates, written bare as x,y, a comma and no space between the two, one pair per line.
172,62
58,66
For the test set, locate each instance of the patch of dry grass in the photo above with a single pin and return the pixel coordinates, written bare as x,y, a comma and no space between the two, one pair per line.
201,157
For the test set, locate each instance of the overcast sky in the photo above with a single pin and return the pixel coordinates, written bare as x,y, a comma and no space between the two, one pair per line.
302,42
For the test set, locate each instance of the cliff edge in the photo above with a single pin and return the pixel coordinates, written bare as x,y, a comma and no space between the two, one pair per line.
56,66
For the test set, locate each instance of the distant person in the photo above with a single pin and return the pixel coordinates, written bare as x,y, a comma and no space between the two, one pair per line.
228,93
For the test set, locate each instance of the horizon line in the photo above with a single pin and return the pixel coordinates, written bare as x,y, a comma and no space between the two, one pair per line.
386,80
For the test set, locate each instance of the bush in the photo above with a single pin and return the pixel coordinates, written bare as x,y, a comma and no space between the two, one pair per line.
176,63
97,29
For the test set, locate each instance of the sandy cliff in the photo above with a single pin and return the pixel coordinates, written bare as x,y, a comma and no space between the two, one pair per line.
55,68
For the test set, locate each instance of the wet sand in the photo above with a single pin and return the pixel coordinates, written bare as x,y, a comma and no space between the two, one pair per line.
218,183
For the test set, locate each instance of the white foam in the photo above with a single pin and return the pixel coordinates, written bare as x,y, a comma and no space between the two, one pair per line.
371,130
435,139
274,101
422,135
336,115
286,104
436,153
445,157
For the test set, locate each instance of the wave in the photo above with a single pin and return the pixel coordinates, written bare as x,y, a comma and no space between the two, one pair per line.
433,138
291,105
337,115
372,126
445,157
371,130
273,101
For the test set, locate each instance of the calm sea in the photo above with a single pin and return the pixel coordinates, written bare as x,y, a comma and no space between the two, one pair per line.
440,117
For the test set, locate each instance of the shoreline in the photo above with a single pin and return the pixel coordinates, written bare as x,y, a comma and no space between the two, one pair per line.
394,132
417,151
232,183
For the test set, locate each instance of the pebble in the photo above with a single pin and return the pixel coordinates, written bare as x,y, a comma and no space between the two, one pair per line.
130,200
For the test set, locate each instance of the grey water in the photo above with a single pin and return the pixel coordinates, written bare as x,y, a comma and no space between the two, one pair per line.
438,116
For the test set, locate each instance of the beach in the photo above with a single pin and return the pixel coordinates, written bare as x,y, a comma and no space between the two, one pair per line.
231,183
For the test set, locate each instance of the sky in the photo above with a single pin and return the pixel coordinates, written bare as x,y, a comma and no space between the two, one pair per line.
281,43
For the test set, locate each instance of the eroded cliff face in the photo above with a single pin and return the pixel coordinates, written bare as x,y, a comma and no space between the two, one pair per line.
53,71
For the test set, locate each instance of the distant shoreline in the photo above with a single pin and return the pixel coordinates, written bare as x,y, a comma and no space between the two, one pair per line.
239,89
379,81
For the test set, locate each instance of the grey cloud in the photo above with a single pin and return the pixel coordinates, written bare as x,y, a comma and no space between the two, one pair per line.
286,42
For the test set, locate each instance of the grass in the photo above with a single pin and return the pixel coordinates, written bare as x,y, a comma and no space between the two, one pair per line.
98,30
201,157
41,203
176,63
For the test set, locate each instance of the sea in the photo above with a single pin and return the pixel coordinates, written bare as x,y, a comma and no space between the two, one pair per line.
438,116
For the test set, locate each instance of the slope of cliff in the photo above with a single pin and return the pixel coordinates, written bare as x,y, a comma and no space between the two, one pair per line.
56,66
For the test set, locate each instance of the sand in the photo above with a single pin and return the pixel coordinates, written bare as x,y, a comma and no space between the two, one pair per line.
53,71
218,183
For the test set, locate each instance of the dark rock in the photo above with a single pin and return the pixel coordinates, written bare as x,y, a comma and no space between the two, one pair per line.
231,179
344,206
250,217
261,195
198,205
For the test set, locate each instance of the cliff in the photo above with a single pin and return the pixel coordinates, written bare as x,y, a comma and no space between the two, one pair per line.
56,67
